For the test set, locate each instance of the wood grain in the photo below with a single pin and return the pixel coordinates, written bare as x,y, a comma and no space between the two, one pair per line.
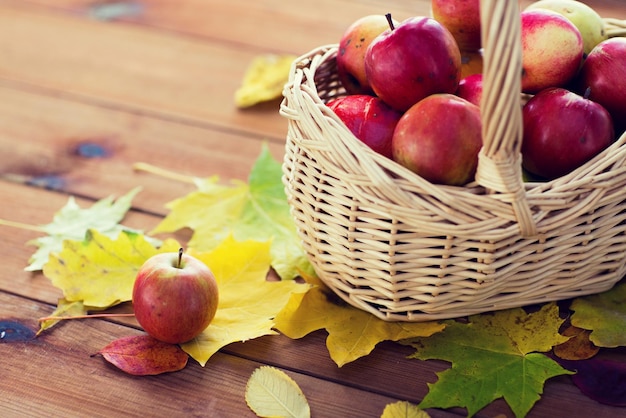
83,96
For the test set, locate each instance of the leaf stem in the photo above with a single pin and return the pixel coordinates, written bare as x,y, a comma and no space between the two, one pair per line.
21,225
110,315
158,171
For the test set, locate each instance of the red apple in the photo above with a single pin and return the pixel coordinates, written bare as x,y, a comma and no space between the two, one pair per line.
175,297
351,52
552,50
370,119
471,88
439,139
412,60
604,73
562,131
462,19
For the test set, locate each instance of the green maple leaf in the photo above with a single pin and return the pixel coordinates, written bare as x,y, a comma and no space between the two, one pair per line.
72,222
257,210
352,333
604,314
493,356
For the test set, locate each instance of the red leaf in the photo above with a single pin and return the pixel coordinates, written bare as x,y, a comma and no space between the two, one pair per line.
602,380
143,355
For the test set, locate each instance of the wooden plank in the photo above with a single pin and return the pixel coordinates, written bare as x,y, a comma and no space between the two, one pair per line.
129,67
386,371
57,372
259,27
41,138
407,379
267,25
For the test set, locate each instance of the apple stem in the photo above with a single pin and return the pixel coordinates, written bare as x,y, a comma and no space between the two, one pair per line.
111,315
180,257
390,20
587,93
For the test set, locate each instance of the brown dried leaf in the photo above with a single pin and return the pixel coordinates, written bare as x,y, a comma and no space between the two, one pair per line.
142,355
578,347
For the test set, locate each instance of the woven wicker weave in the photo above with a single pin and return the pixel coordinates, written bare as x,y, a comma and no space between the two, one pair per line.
391,243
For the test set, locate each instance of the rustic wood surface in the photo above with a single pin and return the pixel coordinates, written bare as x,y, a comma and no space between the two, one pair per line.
153,81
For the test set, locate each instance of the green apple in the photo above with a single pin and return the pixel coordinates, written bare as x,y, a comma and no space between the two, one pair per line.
587,20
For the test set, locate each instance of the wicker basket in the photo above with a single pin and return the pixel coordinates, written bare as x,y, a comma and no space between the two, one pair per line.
391,243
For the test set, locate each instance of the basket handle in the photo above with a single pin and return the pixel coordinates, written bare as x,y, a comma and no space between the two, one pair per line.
499,165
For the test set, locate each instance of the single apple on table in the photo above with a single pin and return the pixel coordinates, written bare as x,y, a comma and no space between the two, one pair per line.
175,297
552,50
588,21
562,131
462,19
439,139
351,52
412,60
471,88
370,119
604,74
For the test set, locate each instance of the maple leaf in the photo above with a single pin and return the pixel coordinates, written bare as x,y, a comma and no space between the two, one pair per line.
578,347
64,308
248,302
100,271
72,222
604,314
264,79
494,355
256,210
352,333
142,355
403,410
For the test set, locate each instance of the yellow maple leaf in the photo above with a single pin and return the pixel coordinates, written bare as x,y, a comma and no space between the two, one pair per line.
352,333
256,210
248,301
64,308
100,271
403,409
264,79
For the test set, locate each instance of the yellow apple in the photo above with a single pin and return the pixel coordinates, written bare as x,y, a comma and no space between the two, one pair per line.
552,50
587,20
351,53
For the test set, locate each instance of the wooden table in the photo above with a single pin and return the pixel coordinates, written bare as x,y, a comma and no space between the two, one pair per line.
153,81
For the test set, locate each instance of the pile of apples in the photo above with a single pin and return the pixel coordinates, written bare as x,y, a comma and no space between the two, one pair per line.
414,88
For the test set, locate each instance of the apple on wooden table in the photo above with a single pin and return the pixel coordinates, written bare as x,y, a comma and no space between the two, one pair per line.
175,297
562,131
